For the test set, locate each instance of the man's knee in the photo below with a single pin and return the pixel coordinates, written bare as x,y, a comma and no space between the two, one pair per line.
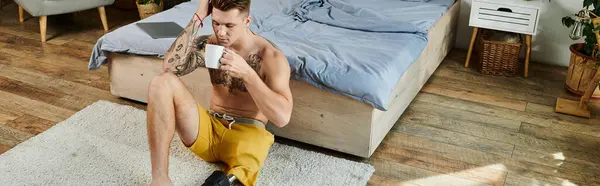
161,83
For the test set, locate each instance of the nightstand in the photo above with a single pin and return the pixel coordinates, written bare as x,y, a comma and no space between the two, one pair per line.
516,16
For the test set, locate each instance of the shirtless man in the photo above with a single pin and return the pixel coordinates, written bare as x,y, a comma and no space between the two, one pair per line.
250,88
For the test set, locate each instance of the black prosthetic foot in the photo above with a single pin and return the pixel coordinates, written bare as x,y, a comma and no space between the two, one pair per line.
217,178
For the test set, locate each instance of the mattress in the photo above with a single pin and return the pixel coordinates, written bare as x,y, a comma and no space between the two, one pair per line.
356,48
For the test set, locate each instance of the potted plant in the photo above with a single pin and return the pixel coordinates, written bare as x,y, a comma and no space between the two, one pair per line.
585,57
147,8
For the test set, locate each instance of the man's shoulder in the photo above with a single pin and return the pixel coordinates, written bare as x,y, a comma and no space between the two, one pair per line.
274,62
271,53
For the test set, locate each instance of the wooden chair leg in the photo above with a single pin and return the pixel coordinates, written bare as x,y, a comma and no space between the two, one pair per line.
528,54
102,12
21,18
473,38
43,21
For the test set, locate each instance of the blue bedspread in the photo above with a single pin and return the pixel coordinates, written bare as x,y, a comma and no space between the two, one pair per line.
357,48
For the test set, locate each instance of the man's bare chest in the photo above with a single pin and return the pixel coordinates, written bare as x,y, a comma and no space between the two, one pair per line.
221,77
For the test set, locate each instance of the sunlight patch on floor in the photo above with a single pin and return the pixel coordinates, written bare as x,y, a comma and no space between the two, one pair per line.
558,156
566,182
488,174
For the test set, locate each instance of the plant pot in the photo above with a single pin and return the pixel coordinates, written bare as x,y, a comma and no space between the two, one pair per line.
581,70
147,10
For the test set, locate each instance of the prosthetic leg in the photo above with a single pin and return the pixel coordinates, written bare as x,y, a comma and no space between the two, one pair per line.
219,178
578,108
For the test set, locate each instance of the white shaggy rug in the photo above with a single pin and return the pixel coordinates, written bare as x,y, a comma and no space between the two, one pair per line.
106,144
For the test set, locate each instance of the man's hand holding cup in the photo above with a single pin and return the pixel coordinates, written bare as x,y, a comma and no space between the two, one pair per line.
219,57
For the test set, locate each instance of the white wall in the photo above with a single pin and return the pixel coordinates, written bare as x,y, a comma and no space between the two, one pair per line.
550,45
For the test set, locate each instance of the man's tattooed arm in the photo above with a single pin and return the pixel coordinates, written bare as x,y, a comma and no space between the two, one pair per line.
194,58
186,54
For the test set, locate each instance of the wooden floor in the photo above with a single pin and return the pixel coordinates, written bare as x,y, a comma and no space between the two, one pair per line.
464,128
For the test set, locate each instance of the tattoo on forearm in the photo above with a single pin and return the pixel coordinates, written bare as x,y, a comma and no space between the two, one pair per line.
186,52
179,47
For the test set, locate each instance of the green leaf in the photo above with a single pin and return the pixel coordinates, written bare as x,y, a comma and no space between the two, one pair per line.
587,3
568,21
589,46
590,39
597,4
587,29
595,11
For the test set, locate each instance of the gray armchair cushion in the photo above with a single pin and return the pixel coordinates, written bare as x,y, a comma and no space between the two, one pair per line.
53,7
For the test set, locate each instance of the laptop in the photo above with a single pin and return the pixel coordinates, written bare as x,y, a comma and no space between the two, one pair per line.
158,30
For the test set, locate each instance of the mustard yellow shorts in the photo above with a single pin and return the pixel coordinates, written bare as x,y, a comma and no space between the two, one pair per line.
243,148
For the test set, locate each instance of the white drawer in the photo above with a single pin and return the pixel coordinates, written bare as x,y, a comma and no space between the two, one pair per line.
504,17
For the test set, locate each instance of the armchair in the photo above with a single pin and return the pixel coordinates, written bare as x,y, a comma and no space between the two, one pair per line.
44,8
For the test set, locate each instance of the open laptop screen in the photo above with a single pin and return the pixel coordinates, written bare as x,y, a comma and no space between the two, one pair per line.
158,30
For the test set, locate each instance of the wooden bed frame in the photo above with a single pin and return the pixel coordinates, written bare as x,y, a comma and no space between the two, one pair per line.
319,117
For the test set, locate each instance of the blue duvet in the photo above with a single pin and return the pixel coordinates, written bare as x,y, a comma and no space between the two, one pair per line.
356,48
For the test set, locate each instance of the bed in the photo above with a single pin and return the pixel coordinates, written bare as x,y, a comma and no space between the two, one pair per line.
356,64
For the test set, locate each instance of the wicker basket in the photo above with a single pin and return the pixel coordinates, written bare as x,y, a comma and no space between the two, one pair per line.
497,57
147,10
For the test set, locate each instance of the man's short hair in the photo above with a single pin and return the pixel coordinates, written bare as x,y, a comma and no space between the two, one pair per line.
226,5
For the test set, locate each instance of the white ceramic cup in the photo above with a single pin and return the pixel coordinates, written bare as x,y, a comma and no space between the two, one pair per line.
213,54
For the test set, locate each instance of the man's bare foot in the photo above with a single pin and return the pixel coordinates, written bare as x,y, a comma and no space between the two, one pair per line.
161,181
